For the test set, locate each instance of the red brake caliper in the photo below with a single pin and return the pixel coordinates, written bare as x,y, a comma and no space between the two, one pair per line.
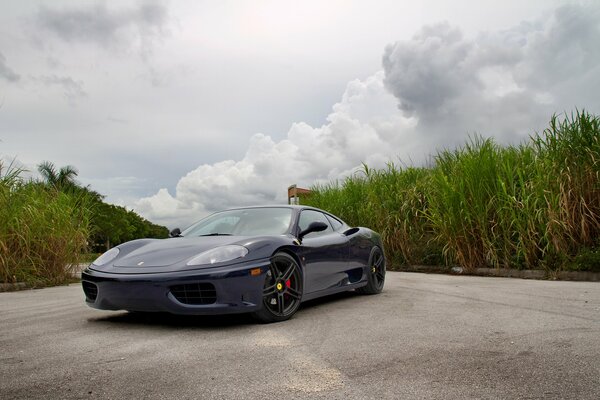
288,283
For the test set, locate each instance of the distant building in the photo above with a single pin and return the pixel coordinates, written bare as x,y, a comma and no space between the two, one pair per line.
294,194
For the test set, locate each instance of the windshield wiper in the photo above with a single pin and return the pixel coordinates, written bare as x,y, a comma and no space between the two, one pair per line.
217,234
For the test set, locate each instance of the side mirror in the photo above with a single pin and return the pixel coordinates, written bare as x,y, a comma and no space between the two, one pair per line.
316,226
175,233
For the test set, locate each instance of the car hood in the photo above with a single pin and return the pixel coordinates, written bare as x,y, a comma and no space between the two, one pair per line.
162,253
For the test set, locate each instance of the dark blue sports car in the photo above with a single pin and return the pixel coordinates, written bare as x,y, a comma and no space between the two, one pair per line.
264,260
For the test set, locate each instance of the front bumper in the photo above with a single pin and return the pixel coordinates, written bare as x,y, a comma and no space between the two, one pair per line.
237,291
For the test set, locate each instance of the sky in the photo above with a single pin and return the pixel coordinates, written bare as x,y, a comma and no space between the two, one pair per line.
176,109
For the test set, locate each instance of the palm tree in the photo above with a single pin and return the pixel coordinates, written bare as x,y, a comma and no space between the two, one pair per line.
61,179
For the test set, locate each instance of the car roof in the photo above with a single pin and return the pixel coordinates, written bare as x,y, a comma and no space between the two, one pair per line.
291,206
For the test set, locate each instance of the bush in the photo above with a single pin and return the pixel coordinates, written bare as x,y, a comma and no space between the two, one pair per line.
42,231
587,259
530,206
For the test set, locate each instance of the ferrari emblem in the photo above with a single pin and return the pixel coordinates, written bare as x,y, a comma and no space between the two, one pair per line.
279,286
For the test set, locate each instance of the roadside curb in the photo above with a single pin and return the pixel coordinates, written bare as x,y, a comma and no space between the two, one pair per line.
15,286
585,276
10,287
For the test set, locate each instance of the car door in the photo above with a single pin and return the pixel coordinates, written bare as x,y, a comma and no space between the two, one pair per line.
325,254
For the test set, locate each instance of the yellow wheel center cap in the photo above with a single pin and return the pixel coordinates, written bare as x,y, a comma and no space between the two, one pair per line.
279,286
374,270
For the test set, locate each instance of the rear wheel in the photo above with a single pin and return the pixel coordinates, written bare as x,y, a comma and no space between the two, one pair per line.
376,273
282,291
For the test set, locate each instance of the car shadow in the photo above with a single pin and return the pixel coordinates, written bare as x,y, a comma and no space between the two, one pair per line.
176,321
331,299
166,320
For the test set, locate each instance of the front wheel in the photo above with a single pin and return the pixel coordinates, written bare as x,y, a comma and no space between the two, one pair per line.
282,291
376,273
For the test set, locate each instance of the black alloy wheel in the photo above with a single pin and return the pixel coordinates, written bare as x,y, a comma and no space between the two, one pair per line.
376,273
282,291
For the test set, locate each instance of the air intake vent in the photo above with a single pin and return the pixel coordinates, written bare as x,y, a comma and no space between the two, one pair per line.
90,290
195,293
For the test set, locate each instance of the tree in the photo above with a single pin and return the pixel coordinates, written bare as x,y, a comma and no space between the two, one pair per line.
64,178
110,224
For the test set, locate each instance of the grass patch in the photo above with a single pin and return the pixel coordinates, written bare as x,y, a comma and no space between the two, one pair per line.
43,231
536,205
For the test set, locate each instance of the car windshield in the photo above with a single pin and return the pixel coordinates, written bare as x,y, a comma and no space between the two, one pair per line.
243,222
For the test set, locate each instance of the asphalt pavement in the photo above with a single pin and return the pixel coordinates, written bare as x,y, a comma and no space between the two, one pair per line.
424,337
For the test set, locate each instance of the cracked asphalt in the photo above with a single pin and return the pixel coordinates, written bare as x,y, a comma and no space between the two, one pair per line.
424,337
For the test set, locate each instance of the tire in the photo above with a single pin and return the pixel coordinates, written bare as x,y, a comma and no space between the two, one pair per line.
282,292
376,273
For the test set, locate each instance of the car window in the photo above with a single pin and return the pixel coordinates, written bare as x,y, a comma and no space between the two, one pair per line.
308,216
223,225
336,223
244,222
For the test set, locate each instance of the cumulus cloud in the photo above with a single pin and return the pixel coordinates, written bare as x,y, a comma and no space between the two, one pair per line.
502,84
364,126
137,27
7,73
435,90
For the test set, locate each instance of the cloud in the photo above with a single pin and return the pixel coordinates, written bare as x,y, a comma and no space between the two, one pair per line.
72,90
502,84
137,27
122,190
361,128
435,90
427,72
7,73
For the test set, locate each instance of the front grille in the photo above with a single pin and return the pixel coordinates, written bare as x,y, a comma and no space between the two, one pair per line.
195,293
90,290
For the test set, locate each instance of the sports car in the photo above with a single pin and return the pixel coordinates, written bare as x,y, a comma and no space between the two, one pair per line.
260,260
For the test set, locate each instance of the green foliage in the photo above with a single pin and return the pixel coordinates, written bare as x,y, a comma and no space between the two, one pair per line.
528,206
112,225
46,226
588,259
62,179
42,231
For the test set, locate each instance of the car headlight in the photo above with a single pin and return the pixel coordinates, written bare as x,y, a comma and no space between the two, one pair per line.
107,257
219,254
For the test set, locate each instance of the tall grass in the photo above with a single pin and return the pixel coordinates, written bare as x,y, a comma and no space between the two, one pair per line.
390,201
528,206
42,231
